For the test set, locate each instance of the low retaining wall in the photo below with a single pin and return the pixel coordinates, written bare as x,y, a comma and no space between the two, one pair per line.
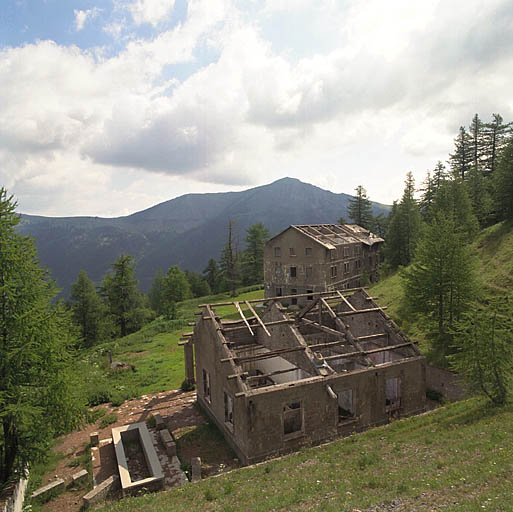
12,497
137,431
448,384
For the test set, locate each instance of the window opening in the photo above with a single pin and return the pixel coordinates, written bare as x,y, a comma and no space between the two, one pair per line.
308,251
206,385
292,251
393,394
334,271
293,271
309,271
228,408
278,292
310,297
292,418
293,301
277,252
346,268
345,405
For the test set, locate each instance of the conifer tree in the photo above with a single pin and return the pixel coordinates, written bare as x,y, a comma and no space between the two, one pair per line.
404,228
123,299
89,313
253,256
496,135
503,181
39,393
212,275
441,282
176,289
461,159
230,264
156,293
484,348
359,208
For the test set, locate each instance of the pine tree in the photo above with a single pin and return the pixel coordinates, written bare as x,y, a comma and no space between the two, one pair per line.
123,299
404,228
89,313
212,275
253,256
39,392
359,208
441,282
484,348
198,285
462,157
477,142
230,263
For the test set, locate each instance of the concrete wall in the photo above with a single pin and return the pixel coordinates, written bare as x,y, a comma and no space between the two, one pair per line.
12,497
265,436
277,268
450,385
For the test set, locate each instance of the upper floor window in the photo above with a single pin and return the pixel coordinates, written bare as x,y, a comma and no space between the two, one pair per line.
334,271
292,251
346,268
308,271
292,418
277,252
346,252
293,272
206,385
308,251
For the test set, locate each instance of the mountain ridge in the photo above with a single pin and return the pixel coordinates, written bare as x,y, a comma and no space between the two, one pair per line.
186,230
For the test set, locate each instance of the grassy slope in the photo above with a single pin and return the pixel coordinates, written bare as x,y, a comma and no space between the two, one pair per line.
458,456
154,351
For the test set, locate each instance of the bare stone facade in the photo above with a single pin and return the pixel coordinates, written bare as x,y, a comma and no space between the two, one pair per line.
313,258
276,380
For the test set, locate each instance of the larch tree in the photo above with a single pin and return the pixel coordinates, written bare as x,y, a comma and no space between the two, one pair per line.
89,312
212,275
253,256
496,136
39,393
176,289
461,159
404,227
503,181
122,296
483,345
230,260
156,293
441,282
359,208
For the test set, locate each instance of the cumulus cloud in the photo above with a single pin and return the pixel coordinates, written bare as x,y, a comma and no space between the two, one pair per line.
81,17
150,11
387,96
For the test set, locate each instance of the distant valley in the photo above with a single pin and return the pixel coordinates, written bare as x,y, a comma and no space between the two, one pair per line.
186,231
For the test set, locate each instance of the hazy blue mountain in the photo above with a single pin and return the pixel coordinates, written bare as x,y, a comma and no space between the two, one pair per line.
187,230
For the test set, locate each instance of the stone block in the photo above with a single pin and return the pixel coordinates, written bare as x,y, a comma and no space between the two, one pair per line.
159,422
101,491
94,439
195,469
55,486
165,437
171,449
80,477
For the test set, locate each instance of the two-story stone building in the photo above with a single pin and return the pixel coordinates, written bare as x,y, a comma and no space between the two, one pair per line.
312,258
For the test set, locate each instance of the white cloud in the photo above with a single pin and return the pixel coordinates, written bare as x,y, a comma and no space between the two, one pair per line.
81,17
150,11
386,97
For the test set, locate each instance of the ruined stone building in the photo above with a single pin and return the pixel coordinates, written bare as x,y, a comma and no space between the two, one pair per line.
317,258
274,380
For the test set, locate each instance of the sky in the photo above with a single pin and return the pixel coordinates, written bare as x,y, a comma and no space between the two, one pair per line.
108,107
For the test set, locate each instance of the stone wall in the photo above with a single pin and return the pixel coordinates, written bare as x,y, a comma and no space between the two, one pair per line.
12,497
448,384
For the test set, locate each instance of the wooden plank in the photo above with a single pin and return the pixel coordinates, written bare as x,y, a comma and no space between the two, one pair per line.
270,374
351,307
264,355
235,375
236,304
259,320
268,324
329,330
184,341
358,311
368,352
371,336
328,344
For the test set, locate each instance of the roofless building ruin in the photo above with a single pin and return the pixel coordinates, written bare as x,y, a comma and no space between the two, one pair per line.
274,380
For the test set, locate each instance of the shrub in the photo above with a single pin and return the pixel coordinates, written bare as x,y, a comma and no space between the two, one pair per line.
187,386
107,420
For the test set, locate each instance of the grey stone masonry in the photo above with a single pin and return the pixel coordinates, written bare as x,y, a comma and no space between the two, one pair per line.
196,469
159,422
167,442
55,486
94,439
